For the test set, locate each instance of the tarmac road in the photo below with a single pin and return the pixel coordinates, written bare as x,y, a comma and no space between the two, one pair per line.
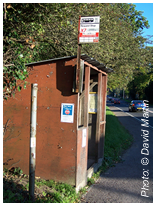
139,115
132,180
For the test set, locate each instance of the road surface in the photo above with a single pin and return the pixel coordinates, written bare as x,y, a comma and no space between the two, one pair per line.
124,106
132,180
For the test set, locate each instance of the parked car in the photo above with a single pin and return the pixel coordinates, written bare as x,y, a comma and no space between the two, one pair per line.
109,98
112,100
116,101
136,105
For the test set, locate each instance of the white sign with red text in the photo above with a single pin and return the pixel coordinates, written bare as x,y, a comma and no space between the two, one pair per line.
89,29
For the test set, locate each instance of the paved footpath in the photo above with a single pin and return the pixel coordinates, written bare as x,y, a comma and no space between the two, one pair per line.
127,181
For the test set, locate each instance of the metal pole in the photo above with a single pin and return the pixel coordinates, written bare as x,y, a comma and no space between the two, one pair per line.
32,164
78,68
78,59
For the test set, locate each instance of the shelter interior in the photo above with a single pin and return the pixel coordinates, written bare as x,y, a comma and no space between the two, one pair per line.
94,151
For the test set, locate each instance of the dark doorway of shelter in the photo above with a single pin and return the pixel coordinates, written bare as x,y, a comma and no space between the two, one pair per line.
92,118
92,125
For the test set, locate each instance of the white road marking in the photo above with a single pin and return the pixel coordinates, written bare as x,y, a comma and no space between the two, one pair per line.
132,116
150,111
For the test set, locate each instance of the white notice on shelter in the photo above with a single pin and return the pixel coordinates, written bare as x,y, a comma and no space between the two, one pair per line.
67,112
84,136
89,29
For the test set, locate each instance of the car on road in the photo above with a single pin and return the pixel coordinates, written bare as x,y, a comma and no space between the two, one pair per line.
137,105
116,101
109,98
112,100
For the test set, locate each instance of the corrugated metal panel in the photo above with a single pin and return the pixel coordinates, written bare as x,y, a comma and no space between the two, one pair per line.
84,57
95,63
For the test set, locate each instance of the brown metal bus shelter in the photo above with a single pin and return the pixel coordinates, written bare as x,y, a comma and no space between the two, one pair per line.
65,151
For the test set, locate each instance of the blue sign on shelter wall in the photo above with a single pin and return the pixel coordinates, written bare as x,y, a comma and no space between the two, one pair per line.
67,112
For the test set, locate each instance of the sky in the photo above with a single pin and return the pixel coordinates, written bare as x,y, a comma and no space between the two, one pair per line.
147,9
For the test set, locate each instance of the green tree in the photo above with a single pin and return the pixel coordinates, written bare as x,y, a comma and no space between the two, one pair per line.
34,32
19,30
149,92
143,77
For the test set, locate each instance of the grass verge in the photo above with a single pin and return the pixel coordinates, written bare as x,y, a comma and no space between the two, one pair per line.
16,184
117,140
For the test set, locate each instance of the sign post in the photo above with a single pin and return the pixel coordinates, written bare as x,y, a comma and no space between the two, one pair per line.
78,61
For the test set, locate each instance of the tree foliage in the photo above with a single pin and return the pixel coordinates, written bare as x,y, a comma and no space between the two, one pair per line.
142,79
40,31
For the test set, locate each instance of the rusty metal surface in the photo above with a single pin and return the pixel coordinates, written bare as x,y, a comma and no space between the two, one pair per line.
59,154
56,141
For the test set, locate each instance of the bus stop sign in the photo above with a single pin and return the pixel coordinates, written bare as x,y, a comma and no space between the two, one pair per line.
89,29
